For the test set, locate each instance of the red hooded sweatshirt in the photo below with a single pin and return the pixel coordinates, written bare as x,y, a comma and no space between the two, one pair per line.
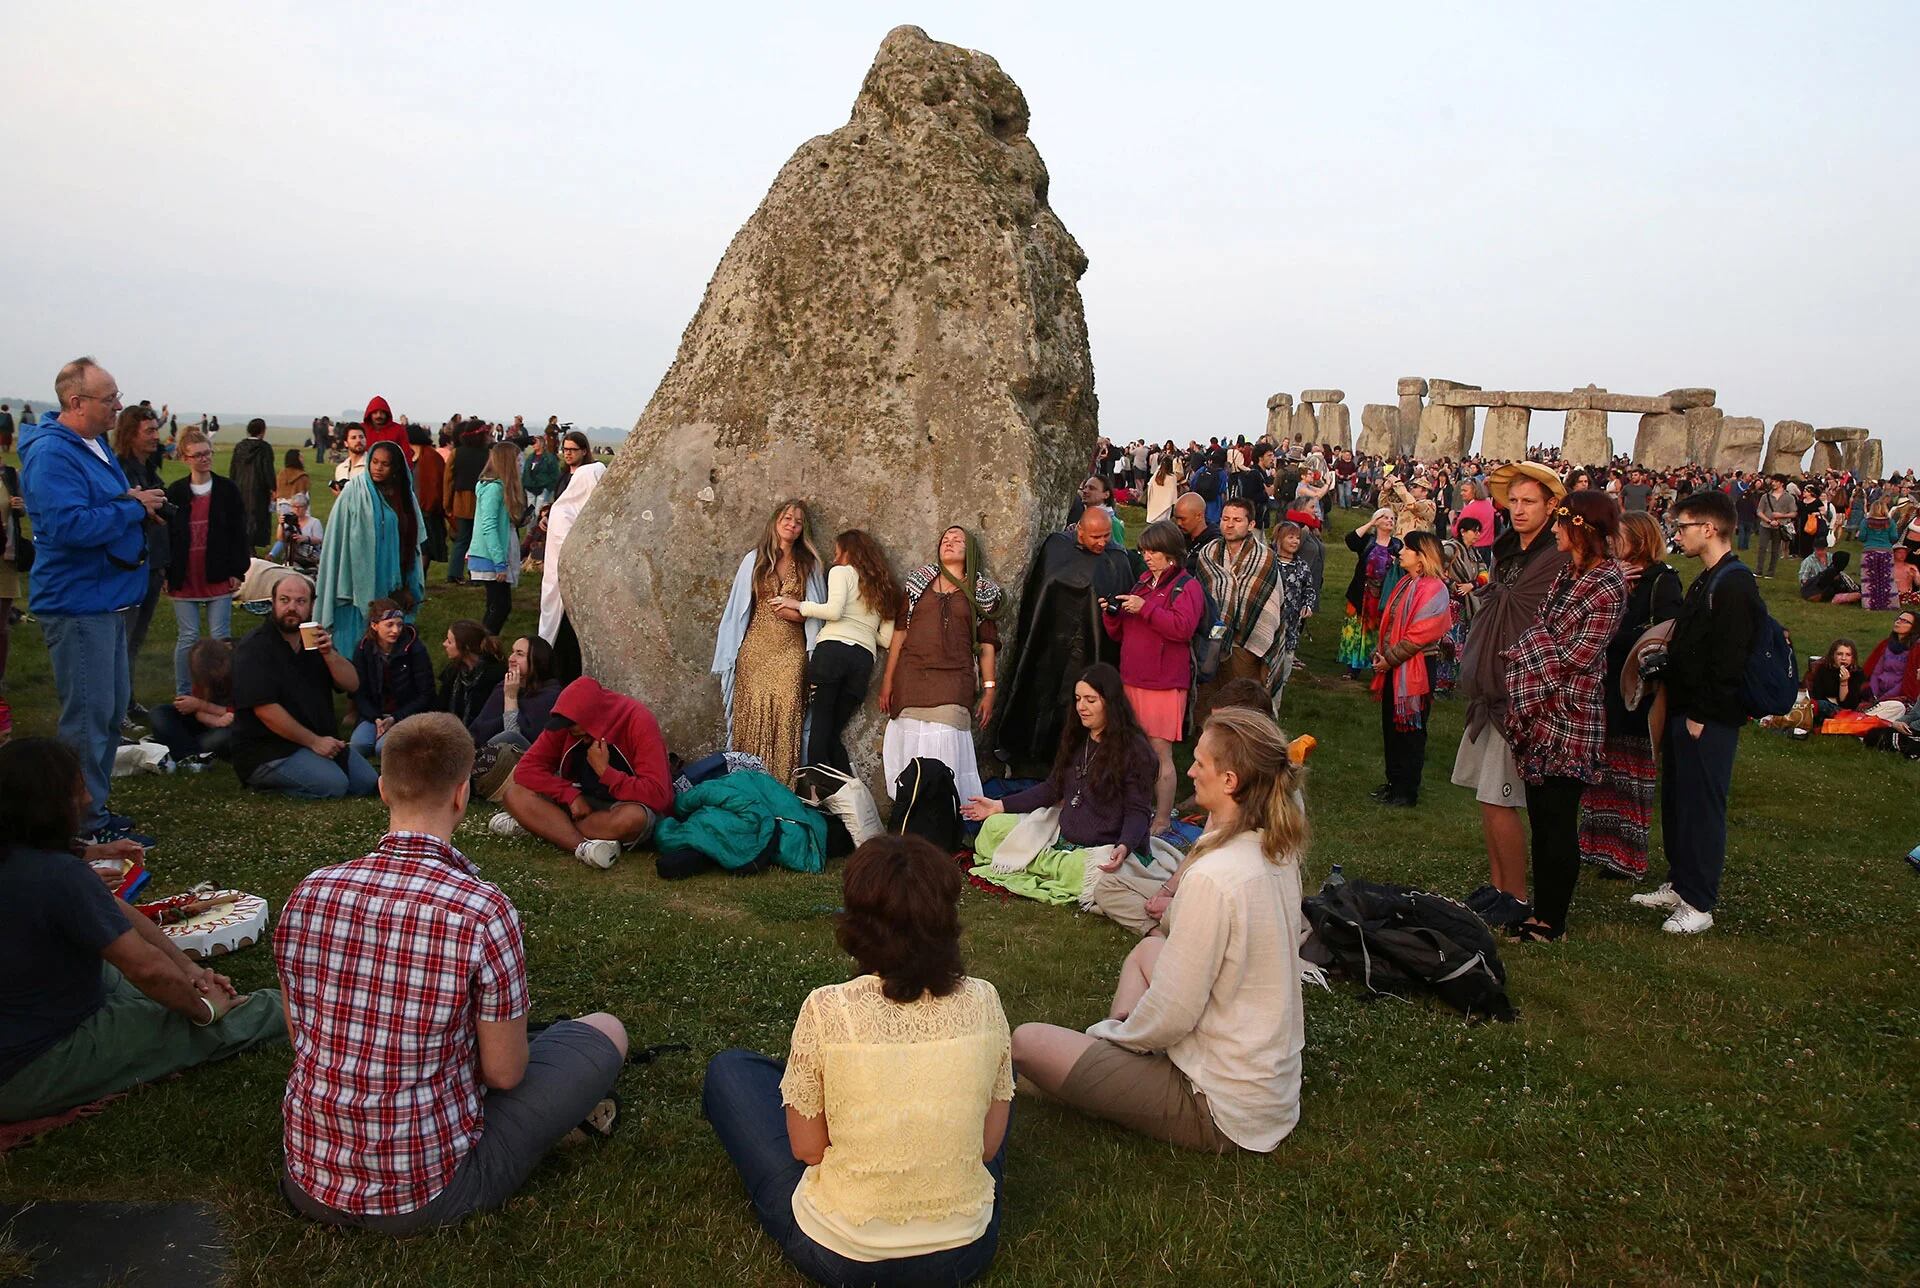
636,753
395,434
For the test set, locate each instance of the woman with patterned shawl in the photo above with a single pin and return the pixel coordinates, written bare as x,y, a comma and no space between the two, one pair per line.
942,657
1418,614
1377,550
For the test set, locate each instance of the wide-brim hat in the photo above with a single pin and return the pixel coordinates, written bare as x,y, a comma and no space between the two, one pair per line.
1505,476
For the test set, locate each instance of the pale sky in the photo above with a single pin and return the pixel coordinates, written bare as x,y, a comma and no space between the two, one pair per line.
513,207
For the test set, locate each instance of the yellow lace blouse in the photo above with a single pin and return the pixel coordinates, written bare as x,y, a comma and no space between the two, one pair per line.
905,1088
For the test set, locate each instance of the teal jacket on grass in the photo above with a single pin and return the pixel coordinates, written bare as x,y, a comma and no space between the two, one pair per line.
732,818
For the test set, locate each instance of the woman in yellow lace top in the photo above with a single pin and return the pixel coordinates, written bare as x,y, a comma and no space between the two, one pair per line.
885,1165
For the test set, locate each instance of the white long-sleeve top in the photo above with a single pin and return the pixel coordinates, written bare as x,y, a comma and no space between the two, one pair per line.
848,618
1225,1000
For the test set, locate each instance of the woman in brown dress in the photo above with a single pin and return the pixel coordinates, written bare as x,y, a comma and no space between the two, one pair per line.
941,659
761,653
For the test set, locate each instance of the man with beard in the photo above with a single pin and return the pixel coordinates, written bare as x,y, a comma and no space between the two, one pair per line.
1243,583
1060,633
284,718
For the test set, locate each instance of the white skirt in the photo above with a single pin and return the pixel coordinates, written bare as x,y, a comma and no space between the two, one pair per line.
908,739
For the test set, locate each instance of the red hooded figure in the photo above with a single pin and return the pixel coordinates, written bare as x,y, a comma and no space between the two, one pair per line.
386,432
556,764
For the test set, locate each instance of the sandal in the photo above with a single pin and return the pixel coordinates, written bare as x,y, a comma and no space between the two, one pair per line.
598,1124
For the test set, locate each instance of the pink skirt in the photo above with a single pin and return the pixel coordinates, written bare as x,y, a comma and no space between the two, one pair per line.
1162,713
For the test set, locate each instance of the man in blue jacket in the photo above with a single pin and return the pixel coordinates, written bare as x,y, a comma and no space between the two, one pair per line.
89,568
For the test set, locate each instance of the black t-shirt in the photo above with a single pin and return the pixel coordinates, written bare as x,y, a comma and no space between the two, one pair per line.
57,918
266,671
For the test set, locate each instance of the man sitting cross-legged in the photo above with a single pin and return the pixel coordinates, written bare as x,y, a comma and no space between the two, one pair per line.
406,995
594,780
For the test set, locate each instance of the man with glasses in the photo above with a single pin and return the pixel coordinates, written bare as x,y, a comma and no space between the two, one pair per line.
90,568
1706,668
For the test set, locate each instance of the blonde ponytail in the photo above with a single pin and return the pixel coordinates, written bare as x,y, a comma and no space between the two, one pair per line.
1270,791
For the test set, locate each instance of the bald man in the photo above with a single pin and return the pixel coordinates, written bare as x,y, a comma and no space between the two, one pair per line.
1190,516
1060,634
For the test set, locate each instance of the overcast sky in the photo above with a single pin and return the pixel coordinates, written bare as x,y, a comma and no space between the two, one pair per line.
515,207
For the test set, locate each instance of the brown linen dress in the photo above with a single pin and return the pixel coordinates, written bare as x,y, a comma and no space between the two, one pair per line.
770,681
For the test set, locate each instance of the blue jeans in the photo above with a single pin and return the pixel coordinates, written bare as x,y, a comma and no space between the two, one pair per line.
186,619
741,1098
363,741
311,776
88,653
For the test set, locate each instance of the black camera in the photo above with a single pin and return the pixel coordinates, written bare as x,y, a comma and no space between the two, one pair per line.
1653,662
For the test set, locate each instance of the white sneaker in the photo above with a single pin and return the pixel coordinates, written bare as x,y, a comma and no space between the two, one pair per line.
1664,897
597,854
1688,920
505,824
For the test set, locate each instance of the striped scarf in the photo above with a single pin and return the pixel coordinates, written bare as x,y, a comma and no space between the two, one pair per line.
1245,593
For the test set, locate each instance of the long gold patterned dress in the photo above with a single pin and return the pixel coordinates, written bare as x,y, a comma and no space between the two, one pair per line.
770,681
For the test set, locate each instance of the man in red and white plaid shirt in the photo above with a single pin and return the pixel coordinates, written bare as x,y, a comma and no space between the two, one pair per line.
406,994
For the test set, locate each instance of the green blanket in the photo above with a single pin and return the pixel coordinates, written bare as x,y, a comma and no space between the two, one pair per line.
1055,876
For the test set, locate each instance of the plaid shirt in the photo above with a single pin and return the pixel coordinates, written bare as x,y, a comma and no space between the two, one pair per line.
388,962
1556,698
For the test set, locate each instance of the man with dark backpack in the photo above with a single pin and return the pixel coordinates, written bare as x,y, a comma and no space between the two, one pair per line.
1706,677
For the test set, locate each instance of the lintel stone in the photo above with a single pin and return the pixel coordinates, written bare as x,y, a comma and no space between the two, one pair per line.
1411,386
1323,395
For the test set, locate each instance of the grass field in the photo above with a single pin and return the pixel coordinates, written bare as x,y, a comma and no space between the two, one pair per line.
1740,1107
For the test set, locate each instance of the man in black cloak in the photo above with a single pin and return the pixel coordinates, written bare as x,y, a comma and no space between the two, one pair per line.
1059,634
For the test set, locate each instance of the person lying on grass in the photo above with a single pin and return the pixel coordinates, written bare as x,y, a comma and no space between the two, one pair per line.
594,781
876,1154
406,984
1202,1045
94,999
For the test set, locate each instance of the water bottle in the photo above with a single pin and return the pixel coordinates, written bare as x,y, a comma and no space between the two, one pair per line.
1334,878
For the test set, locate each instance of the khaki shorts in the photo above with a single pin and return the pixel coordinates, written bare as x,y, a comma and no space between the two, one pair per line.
1143,1092
1486,764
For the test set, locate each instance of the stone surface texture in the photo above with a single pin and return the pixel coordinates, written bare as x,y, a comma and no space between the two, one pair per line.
1306,426
1444,431
1406,430
1470,398
1504,436
1636,404
1379,429
1585,441
1738,444
1787,446
1661,443
896,335
1323,395
1867,458
1685,399
1336,424
1841,434
1828,456
1544,400
1279,416
1414,385
1703,426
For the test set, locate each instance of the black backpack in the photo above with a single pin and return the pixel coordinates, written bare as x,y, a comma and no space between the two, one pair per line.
1206,483
925,804
1394,940
1772,681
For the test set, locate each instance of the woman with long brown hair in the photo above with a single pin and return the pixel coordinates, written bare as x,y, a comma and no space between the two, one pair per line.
493,554
1556,700
876,1153
861,602
1201,1047
372,547
761,652
136,442
1617,810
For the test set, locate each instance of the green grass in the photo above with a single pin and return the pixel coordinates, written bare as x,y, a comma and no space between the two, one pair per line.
1740,1107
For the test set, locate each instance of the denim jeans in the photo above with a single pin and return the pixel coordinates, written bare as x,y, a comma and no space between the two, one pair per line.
363,740
88,653
186,620
311,776
741,1098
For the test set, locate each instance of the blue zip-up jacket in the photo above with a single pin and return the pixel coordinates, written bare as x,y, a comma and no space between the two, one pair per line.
83,521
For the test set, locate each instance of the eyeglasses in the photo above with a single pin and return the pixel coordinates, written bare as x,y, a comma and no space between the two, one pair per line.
1692,523
112,399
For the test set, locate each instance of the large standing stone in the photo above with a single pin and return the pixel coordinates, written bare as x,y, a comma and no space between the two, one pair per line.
1585,440
1703,426
1336,425
1827,456
1406,432
1504,437
896,334
1306,425
1379,428
1661,443
1279,417
1444,431
1737,445
1867,459
1787,446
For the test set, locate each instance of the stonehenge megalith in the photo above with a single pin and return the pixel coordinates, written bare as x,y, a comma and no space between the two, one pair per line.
1787,446
1379,430
1737,445
1279,417
896,334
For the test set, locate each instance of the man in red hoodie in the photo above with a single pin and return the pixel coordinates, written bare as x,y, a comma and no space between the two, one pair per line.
381,429
594,780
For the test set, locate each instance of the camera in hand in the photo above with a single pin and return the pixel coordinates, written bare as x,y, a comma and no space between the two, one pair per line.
1653,662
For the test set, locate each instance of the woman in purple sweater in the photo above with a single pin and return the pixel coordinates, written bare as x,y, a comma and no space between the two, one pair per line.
1101,784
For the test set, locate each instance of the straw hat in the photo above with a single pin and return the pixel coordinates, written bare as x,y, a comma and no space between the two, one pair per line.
1504,477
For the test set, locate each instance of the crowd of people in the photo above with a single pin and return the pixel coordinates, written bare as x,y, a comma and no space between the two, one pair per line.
1536,595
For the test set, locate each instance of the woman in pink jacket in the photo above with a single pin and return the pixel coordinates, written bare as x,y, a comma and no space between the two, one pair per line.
1155,623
